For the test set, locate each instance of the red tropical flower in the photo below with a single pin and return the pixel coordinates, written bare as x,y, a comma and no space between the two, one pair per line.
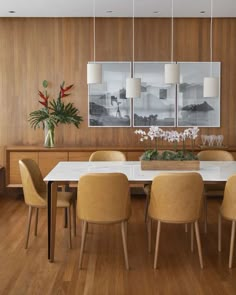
63,90
45,99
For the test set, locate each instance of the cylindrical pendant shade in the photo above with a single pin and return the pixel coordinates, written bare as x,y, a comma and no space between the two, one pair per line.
133,87
172,73
94,73
211,87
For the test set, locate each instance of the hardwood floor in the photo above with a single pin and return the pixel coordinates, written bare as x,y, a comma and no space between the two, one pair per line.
28,271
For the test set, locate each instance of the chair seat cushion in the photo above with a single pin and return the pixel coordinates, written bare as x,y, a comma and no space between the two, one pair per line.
64,199
214,189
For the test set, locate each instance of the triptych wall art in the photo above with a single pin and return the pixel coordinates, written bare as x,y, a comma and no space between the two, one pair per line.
160,104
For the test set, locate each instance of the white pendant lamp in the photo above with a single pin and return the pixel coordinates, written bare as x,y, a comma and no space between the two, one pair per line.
211,87
172,72
133,85
94,70
94,73
211,84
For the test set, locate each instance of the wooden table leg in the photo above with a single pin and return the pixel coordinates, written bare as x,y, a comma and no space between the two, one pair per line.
49,216
52,202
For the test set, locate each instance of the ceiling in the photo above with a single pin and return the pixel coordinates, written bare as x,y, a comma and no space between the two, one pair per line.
119,8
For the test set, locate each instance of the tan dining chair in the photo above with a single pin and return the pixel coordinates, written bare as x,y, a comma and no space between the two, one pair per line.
215,155
228,211
213,189
175,198
35,196
147,192
107,156
104,198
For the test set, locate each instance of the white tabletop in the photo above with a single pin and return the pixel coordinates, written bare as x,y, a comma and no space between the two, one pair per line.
71,171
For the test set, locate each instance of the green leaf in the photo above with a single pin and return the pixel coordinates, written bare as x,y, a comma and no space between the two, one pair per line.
150,155
45,83
168,155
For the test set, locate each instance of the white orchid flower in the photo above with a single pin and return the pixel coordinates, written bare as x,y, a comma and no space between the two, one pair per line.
173,136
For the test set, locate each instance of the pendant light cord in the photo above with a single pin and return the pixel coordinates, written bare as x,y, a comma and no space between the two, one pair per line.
172,31
211,38
94,30
133,42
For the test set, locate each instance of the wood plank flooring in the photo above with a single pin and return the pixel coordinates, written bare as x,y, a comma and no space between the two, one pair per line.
24,272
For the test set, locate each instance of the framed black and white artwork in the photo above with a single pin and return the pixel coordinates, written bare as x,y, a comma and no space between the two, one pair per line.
156,106
108,105
192,108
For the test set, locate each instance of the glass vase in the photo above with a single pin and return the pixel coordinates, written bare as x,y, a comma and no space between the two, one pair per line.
49,133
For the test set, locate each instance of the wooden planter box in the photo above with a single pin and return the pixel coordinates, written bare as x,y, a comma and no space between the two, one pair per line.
170,165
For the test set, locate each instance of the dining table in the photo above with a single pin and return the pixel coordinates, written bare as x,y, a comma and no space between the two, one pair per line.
70,172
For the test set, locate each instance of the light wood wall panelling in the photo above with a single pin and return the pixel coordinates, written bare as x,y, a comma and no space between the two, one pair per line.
2,160
225,50
191,39
57,49
152,39
113,39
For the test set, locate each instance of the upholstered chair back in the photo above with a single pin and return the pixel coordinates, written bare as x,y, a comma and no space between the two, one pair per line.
34,187
107,156
103,197
176,197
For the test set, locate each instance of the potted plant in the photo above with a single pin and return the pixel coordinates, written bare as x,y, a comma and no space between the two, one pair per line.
166,160
54,112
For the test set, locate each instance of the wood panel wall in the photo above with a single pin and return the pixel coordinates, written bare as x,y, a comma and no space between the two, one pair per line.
57,49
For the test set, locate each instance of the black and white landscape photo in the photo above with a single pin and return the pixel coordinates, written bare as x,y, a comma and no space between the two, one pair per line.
156,106
108,105
193,108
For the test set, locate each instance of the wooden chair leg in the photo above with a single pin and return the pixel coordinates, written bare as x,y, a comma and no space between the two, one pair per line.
28,226
69,226
126,228
146,206
157,243
198,243
219,231
232,244
82,224
74,217
149,228
205,213
192,237
65,218
186,227
84,231
36,222
124,240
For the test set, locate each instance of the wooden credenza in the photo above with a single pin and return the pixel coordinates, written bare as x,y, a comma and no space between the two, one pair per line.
1,179
47,158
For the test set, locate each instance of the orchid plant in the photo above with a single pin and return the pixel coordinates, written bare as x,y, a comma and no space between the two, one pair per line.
54,112
172,136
